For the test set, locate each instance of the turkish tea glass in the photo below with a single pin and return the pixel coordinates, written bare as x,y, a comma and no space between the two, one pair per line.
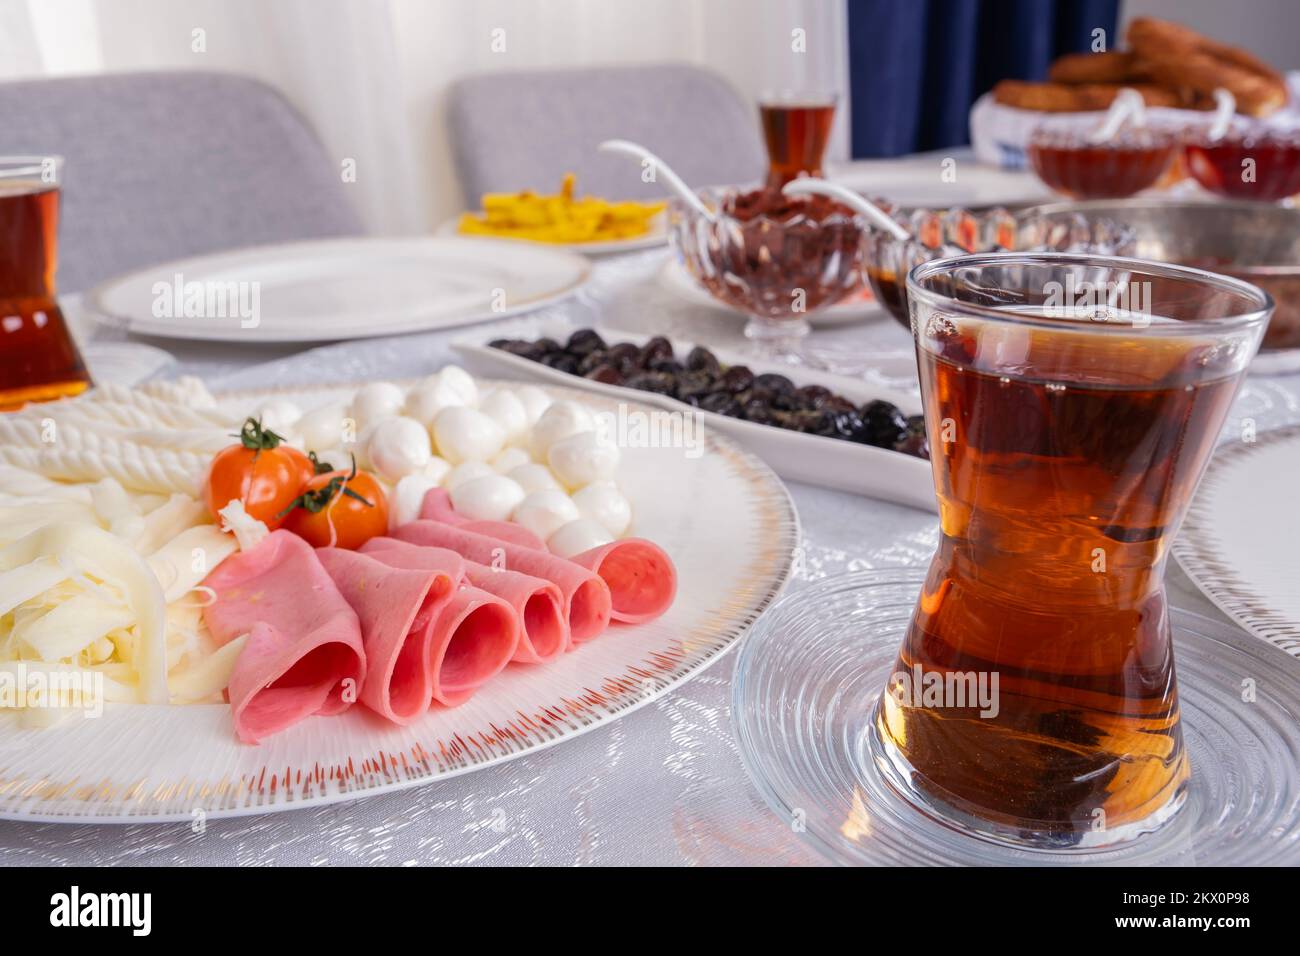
38,359
1072,403
796,129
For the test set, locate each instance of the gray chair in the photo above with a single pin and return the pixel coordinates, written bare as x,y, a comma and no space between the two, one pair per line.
165,165
512,131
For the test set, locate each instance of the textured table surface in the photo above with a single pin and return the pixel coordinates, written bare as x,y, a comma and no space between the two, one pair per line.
661,786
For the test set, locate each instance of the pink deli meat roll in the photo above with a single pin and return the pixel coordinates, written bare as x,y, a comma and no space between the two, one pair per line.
437,507
641,578
586,596
397,609
304,647
539,605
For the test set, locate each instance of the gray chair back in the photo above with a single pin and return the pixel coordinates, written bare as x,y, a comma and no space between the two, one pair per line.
513,131
165,165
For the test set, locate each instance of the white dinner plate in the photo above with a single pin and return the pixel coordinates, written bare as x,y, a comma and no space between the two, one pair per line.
856,308
723,517
1238,544
337,289
656,236
938,180
829,462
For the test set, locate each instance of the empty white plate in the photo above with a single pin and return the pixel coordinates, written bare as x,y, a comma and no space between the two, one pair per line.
1238,541
337,289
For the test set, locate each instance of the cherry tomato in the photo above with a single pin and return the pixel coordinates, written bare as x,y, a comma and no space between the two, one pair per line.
265,475
339,509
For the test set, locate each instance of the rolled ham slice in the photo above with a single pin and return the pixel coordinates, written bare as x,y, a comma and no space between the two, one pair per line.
437,507
397,609
473,638
641,578
304,654
586,596
435,638
538,604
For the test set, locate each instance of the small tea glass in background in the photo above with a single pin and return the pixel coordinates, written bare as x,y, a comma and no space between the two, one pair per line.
796,129
1072,403
38,359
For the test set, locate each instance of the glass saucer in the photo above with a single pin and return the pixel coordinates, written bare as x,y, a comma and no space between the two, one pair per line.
811,669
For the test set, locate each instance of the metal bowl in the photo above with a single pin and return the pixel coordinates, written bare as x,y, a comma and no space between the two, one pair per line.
1257,242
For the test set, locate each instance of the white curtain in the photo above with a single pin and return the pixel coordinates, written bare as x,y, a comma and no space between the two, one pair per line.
371,75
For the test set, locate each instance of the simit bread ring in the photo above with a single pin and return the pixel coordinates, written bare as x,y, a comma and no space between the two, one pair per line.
1183,60
1115,66
1080,98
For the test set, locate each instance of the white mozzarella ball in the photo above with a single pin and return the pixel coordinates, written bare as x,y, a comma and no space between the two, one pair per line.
466,434
322,427
490,498
577,537
534,400
374,402
426,400
436,469
467,471
533,477
405,500
398,447
507,411
559,421
545,511
583,458
280,415
603,503
510,459
461,383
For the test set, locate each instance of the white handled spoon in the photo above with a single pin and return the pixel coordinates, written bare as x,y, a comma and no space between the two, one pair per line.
809,185
675,182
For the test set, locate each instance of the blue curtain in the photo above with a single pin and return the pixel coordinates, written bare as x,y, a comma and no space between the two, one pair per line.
916,66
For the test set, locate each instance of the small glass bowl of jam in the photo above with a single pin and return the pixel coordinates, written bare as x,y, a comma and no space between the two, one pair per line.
938,234
1134,159
777,258
1263,165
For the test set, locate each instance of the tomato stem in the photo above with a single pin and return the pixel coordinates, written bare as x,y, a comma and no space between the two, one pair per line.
316,501
256,437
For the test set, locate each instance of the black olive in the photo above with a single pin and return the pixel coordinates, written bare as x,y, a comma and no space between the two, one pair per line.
659,382
693,384
771,382
736,379
813,396
759,411
562,362
607,373
669,365
584,342
885,424
592,360
548,345
914,445
720,402
702,360
624,355
657,348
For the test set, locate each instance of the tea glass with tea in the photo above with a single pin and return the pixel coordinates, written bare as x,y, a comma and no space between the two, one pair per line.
796,129
1072,403
38,359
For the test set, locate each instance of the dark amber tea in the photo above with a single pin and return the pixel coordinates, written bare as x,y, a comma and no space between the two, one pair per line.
38,360
1065,453
796,131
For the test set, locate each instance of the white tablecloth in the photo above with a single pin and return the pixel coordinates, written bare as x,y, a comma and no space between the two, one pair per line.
661,786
